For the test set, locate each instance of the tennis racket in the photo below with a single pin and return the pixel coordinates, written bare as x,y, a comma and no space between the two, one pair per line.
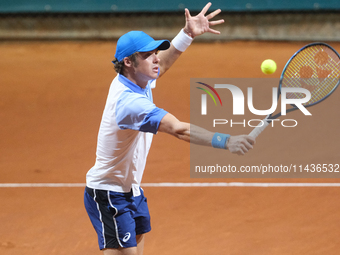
315,67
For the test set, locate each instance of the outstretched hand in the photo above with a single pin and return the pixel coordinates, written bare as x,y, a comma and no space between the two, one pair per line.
200,23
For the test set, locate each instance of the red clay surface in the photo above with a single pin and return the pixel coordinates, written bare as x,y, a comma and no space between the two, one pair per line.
52,96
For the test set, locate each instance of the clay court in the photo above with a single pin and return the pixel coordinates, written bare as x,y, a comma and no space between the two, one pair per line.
52,96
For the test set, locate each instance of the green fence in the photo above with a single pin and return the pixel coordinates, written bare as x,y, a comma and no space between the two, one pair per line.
107,6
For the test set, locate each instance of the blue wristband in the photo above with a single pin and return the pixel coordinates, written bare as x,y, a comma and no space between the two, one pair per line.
220,140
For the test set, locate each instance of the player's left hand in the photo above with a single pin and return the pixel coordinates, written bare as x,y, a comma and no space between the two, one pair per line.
200,23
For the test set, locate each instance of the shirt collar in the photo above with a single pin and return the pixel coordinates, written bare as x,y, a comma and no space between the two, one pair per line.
134,87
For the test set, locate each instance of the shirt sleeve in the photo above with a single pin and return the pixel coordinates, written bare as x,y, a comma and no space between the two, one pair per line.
135,111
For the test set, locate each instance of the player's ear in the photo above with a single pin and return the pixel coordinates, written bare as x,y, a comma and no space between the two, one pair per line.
127,62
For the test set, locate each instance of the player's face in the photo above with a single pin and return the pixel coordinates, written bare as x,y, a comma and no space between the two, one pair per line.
147,66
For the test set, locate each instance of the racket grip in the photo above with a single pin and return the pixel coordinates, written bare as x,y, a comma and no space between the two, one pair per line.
260,127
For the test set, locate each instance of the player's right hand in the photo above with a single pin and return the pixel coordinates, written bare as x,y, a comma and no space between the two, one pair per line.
240,144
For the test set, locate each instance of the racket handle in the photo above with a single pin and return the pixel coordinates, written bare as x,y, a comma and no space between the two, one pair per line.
260,127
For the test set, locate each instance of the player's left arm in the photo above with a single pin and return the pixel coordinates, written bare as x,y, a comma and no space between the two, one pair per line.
194,26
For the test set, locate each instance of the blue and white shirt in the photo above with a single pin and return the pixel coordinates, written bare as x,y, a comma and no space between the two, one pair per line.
128,123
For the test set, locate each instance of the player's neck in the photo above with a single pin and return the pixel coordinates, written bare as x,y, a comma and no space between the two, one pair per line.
136,79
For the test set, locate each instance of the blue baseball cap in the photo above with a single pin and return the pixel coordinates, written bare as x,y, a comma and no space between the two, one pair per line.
138,41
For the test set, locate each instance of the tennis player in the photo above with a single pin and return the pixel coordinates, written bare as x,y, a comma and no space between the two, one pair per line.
113,198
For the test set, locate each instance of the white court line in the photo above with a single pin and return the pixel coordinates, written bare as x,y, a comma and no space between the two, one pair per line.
176,184
42,185
239,184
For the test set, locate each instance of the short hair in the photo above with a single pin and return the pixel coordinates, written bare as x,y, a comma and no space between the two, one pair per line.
119,65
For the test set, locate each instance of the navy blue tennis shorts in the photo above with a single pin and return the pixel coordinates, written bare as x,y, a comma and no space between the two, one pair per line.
117,217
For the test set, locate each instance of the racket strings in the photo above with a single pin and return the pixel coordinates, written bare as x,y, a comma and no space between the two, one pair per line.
316,68
309,76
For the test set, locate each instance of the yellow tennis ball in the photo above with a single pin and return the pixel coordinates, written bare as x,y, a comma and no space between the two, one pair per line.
268,66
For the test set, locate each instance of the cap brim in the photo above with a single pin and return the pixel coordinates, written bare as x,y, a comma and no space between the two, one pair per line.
159,44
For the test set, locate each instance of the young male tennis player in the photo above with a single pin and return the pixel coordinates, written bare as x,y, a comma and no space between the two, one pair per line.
113,198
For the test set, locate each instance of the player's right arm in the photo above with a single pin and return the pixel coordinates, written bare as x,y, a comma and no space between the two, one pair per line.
191,133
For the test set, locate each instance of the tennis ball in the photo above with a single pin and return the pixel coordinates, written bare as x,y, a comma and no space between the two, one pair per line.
268,66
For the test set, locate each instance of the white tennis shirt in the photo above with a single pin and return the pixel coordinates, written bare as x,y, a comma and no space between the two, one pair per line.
129,120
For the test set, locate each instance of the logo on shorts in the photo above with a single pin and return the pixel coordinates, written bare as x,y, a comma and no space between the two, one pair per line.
126,237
